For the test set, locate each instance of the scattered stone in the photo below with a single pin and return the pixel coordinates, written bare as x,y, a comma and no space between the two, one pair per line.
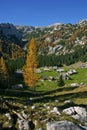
8,115
68,102
38,71
70,72
35,122
55,110
74,85
31,98
51,78
44,105
48,107
33,107
25,107
56,101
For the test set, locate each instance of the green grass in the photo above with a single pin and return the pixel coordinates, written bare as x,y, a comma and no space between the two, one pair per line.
80,77
46,85
48,73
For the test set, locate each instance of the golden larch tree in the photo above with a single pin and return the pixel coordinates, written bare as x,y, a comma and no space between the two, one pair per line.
30,76
3,73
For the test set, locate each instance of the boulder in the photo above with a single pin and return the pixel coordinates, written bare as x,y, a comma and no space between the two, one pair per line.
77,112
69,111
8,116
63,125
82,113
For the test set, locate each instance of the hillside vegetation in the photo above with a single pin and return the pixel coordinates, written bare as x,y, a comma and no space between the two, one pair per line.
59,40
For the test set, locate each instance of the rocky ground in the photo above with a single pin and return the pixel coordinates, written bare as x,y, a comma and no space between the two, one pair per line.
42,116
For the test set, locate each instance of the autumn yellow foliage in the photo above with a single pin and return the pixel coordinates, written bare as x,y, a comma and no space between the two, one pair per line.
30,76
3,72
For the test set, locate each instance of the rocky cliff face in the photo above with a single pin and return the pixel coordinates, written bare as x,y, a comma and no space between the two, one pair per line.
59,38
25,29
10,32
10,41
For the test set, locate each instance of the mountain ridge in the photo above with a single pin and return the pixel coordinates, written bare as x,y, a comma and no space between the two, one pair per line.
58,38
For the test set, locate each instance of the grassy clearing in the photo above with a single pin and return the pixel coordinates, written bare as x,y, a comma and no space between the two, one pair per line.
46,85
80,77
48,73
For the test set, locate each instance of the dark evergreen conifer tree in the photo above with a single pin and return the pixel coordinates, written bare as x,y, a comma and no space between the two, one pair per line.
61,81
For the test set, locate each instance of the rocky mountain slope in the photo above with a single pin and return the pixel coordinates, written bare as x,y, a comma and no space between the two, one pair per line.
25,29
10,41
58,38
10,32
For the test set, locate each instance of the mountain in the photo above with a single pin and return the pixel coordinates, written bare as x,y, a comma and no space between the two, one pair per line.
83,22
55,25
59,38
56,39
25,29
10,41
10,32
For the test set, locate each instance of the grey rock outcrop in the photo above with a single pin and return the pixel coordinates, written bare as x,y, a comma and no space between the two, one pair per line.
77,112
63,125
25,29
